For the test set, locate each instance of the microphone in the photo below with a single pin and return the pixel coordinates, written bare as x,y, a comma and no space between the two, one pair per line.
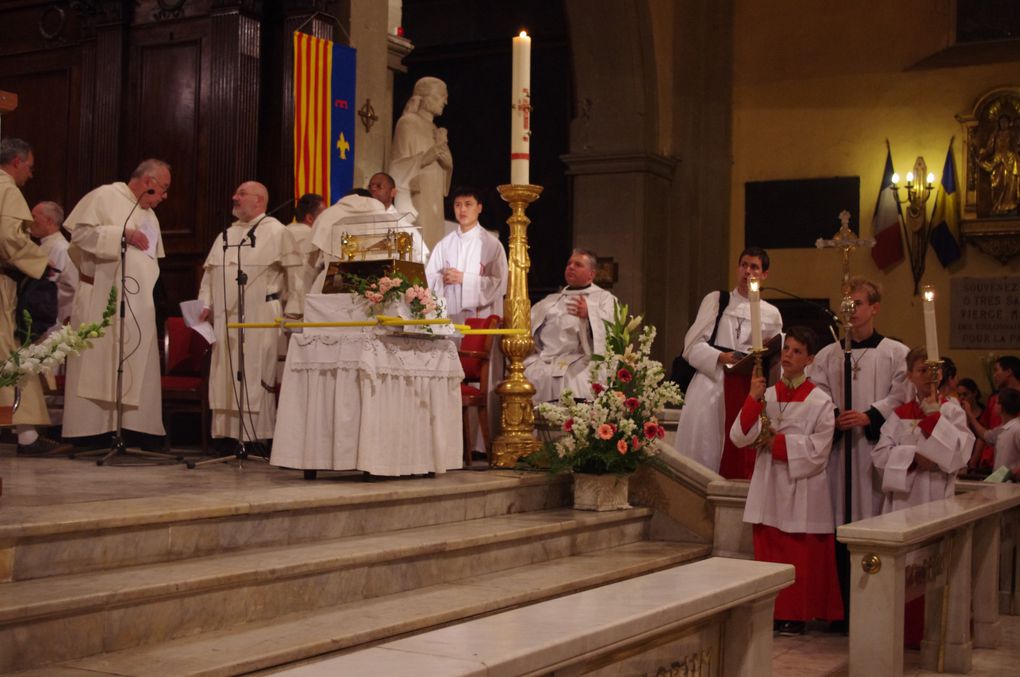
251,231
123,230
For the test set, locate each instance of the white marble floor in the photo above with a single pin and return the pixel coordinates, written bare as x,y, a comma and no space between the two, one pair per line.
817,654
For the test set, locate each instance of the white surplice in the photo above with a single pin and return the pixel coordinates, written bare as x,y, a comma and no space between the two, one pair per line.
949,447
57,247
480,256
326,241
564,343
879,387
792,496
699,434
274,270
96,224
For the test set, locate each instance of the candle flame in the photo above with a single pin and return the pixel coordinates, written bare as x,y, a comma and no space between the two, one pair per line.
753,284
929,295
524,34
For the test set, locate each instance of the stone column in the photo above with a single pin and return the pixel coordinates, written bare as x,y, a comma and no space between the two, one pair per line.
747,640
987,630
876,622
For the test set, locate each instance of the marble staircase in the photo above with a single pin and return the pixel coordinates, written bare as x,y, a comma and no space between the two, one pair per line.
221,583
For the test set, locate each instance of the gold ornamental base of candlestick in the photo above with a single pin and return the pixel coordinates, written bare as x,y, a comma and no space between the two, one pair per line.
934,372
766,434
517,417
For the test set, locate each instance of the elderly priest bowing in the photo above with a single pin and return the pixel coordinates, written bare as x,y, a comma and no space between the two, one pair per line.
569,326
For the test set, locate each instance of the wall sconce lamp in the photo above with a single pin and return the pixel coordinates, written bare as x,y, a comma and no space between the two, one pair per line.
917,231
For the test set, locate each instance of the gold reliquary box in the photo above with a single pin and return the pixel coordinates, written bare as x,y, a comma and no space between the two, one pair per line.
338,272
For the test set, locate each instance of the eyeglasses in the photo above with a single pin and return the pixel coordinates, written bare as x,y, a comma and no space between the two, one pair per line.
164,188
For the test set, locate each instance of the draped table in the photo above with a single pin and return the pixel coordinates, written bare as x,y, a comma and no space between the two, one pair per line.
377,402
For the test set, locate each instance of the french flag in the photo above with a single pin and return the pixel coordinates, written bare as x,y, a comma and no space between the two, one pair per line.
888,249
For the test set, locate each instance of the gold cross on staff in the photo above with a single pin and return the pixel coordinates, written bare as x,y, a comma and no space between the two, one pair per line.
846,241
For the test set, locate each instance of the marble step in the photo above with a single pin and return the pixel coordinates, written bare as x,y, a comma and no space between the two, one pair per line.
64,617
41,541
288,639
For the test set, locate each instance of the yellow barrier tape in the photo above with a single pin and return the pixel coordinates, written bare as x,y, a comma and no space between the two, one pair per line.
381,320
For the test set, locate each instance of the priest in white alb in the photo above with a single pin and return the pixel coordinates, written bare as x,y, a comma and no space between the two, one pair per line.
702,426
96,224
568,327
269,256
468,267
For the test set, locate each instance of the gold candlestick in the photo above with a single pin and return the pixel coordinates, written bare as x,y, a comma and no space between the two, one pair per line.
767,434
517,417
933,374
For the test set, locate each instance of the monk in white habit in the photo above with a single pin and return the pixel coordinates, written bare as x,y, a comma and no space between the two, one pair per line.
46,228
878,367
788,501
96,224
19,257
923,444
328,227
568,327
269,255
420,159
701,431
468,267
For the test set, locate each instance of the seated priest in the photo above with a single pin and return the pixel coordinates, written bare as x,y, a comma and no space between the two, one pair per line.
569,326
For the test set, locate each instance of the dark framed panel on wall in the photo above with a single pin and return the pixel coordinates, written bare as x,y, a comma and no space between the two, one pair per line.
793,213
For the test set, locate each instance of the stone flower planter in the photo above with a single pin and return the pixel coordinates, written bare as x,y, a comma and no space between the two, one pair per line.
600,492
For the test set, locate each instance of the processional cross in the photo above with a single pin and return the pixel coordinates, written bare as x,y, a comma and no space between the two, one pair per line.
845,240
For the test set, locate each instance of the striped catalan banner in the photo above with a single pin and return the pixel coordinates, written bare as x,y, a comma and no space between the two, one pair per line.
324,79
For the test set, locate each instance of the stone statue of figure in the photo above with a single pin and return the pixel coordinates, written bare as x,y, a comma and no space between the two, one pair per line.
1000,159
420,161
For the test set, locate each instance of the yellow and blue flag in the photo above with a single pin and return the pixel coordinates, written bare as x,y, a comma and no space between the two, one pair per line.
945,217
324,79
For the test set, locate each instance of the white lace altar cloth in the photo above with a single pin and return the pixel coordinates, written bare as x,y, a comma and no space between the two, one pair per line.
387,405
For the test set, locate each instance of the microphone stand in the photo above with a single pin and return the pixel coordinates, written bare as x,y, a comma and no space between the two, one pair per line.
241,451
117,446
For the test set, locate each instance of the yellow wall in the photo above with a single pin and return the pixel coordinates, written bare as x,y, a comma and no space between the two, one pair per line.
818,88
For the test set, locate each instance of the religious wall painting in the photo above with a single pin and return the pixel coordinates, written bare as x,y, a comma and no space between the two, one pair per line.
991,196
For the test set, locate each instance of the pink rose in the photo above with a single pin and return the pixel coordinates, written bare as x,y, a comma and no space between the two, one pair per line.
605,431
621,446
620,396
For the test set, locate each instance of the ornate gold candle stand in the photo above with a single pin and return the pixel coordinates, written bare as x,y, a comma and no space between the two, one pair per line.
933,374
517,417
767,434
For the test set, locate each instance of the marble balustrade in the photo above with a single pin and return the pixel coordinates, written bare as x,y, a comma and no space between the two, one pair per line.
951,547
708,618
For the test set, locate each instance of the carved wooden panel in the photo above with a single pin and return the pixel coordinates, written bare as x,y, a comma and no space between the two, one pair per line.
48,89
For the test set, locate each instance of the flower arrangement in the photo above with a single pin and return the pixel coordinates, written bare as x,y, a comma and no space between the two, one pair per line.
378,292
35,358
618,430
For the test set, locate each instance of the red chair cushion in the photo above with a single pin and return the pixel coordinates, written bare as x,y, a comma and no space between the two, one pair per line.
475,343
190,383
186,349
469,391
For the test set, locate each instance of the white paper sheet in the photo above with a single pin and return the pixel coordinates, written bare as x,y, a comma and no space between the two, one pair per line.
190,311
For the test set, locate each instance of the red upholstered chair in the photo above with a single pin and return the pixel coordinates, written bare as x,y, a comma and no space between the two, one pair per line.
474,390
185,380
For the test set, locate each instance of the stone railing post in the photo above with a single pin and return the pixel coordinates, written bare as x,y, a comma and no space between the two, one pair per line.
987,630
877,589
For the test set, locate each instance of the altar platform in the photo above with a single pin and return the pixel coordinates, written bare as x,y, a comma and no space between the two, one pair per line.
140,570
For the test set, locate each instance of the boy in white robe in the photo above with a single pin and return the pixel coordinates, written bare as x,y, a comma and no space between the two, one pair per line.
468,267
923,444
788,500
878,387
568,327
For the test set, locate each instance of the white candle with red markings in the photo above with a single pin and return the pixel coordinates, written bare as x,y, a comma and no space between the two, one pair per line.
520,125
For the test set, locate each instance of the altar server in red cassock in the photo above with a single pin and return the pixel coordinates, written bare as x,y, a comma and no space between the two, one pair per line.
788,501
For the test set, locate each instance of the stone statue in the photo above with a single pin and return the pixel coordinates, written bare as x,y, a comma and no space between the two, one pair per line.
420,159
1000,160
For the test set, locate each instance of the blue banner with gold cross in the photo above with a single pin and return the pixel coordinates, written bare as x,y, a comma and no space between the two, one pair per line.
343,115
